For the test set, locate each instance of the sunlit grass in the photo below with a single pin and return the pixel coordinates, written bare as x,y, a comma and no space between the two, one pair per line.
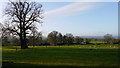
73,55
97,42
102,46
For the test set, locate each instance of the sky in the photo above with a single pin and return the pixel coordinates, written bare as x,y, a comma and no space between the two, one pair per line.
79,18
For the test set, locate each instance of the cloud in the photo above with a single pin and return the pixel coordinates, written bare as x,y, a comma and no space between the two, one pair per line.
68,10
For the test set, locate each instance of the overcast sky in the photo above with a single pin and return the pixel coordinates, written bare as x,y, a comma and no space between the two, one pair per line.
79,18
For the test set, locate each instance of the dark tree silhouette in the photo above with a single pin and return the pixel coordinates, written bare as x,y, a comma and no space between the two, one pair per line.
87,40
64,39
78,39
81,40
52,38
59,39
22,16
69,38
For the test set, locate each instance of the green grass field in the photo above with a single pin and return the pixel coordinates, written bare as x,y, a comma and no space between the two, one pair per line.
63,56
97,42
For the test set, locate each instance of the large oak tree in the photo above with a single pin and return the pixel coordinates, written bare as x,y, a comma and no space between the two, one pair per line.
22,16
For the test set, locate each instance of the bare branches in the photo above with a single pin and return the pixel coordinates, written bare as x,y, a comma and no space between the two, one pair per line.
22,16
24,12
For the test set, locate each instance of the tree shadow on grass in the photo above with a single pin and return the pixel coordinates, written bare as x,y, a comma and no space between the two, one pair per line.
26,65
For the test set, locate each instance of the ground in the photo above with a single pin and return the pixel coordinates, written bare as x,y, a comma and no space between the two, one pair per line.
61,56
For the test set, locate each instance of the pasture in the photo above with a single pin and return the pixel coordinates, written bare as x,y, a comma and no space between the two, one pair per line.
72,56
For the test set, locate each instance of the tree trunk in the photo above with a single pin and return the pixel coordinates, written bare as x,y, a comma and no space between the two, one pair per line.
23,42
23,37
25,46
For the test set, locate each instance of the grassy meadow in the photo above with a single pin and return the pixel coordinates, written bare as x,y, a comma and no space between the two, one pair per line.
60,56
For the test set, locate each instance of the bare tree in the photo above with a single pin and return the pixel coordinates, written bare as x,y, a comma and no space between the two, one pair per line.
4,33
22,16
35,37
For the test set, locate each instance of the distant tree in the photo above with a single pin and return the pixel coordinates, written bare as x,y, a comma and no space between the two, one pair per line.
45,41
77,39
15,41
108,38
115,41
5,34
39,38
22,15
59,39
35,37
81,40
64,39
69,38
3,31
118,40
87,40
4,41
52,38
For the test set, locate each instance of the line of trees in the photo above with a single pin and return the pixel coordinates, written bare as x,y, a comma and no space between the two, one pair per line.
110,40
56,38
